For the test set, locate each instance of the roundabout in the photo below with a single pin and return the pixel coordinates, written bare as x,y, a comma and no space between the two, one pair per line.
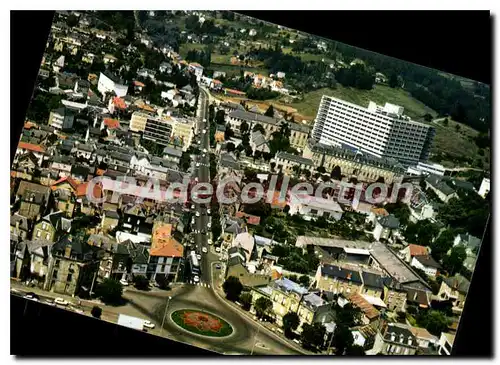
201,323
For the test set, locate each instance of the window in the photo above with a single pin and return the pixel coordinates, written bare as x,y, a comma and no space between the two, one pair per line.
38,233
54,274
57,263
47,236
44,226
69,278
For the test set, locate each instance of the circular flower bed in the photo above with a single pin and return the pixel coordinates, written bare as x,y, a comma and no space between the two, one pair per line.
201,323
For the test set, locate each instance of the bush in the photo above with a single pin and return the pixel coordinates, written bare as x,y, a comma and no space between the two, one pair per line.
110,291
141,282
96,312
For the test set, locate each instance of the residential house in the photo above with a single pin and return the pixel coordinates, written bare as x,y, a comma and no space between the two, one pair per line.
165,254
51,226
288,163
395,339
236,117
411,251
386,227
373,286
197,69
470,242
165,67
236,267
172,154
246,241
424,338
427,264
364,336
312,207
109,220
37,150
62,165
456,289
109,83
72,267
445,344
441,188
286,297
258,142
484,189
61,118
299,134
231,227
19,227
395,295
338,280
419,297
34,199
31,261
369,313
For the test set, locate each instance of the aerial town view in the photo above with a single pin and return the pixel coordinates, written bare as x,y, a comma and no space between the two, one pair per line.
247,188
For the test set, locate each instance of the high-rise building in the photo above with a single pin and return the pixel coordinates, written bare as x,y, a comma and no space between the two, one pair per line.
376,130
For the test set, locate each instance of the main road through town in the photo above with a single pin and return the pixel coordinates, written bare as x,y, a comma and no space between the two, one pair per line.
248,337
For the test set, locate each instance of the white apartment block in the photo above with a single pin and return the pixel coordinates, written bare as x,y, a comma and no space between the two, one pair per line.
107,84
165,130
312,207
376,130
484,188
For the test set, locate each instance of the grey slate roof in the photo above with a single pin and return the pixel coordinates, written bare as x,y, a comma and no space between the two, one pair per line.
299,127
372,280
172,151
428,261
389,221
235,260
258,138
23,221
458,282
250,117
294,158
439,184
334,271
400,331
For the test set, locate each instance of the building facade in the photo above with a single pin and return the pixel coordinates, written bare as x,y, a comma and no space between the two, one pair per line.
376,130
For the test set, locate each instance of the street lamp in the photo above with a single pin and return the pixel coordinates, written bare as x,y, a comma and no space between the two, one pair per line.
164,316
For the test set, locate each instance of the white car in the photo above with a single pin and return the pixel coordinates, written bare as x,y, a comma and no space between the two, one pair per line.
197,214
204,150
149,324
192,221
209,241
61,301
49,302
31,296
209,225
204,131
197,164
192,206
217,249
198,257
204,250
208,211
78,310
196,279
124,282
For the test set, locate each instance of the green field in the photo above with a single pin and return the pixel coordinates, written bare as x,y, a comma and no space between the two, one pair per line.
186,47
232,70
379,94
457,143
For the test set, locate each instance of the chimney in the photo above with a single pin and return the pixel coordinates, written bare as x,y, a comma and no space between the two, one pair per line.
67,251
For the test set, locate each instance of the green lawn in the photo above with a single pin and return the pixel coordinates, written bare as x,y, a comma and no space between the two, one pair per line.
231,70
379,94
186,47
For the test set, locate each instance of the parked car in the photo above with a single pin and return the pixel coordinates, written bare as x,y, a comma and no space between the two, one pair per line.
61,301
32,296
198,256
197,214
217,249
149,324
49,302
209,225
124,282
217,266
208,211
78,310
196,279
210,242
204,250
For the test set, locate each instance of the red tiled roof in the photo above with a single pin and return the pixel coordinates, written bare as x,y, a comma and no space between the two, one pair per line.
31,147
163,244
100,172
81,190
195,64
234,91
67,179
368,310
417,250
251,219
138,83
111,123
29,125
119,103
217,82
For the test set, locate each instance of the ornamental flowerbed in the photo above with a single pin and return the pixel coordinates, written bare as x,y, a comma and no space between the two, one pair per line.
201,323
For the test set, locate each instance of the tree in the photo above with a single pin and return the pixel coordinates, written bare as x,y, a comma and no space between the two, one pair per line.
290,323
220,116
72,20
336,173
270,111
457,127
262,306
427,117
141,282
244,127
230,147
110,291
393,80
321,169
355,350
400,211
434,321
313,336
445,122
455,260
232,287
260,128
273,165
246,300
342,339
162,282
442,244
421,233
96,312
348,315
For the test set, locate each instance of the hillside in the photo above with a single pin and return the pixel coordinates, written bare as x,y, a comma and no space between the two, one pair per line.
379,94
